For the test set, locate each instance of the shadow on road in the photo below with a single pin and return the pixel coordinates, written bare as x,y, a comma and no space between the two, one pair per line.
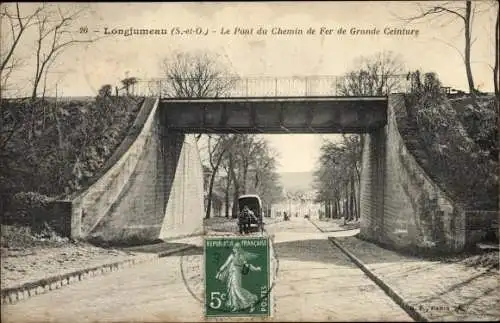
317,250
375,252
195,251
371,253
220,224
157,247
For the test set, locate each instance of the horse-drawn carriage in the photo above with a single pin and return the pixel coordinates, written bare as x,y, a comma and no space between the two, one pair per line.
250,211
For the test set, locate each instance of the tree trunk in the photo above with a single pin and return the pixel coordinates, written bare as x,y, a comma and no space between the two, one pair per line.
353,199
236,186
228,186
346,206
211,185
338,206
495,69
245,173
36,81
335,211
358,198
235,209
356,205
209,197
468,69
60,136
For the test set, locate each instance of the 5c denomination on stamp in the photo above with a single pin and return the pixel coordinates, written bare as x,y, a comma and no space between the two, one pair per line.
237,276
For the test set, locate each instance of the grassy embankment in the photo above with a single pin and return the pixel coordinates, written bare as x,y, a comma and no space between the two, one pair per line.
50,150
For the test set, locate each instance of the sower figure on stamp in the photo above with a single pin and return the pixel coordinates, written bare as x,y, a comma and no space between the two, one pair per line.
232,273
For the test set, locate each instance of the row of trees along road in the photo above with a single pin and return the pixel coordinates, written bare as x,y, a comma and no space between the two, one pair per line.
337,178
235,164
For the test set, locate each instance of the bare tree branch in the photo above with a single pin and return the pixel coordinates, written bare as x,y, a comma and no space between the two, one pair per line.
54,28
433,11
196,75
379,74
466,14
23,23
451,46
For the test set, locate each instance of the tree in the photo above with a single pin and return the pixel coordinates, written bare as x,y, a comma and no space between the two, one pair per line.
465,14
496,75
263,178
105,90
379,74
14,23
337,180
55,34
196,75
338,176
216,153
129,82
252,167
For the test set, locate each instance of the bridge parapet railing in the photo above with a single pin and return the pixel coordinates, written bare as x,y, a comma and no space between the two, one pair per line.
266,86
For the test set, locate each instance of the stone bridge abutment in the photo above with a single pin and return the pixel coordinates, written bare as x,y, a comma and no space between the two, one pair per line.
400,205
154,191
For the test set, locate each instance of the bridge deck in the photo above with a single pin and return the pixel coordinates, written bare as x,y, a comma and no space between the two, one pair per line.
275,114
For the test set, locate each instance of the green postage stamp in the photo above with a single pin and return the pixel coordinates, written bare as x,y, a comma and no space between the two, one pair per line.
237,276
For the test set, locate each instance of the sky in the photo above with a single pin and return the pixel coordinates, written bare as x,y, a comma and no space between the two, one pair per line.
298,152
81,70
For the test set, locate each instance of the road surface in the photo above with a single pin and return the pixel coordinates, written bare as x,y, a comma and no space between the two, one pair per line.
315,282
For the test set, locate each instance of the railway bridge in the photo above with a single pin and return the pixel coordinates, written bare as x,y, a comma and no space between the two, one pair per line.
155,188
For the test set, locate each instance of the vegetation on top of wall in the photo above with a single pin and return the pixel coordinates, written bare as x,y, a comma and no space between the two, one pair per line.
454,141
53,148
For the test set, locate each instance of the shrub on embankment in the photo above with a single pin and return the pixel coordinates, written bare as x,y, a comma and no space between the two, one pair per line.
51,149
454,142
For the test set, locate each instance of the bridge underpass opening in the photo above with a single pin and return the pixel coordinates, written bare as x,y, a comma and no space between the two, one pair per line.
290,116
158,193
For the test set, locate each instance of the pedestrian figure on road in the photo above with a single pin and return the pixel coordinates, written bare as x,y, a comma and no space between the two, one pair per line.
244,220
